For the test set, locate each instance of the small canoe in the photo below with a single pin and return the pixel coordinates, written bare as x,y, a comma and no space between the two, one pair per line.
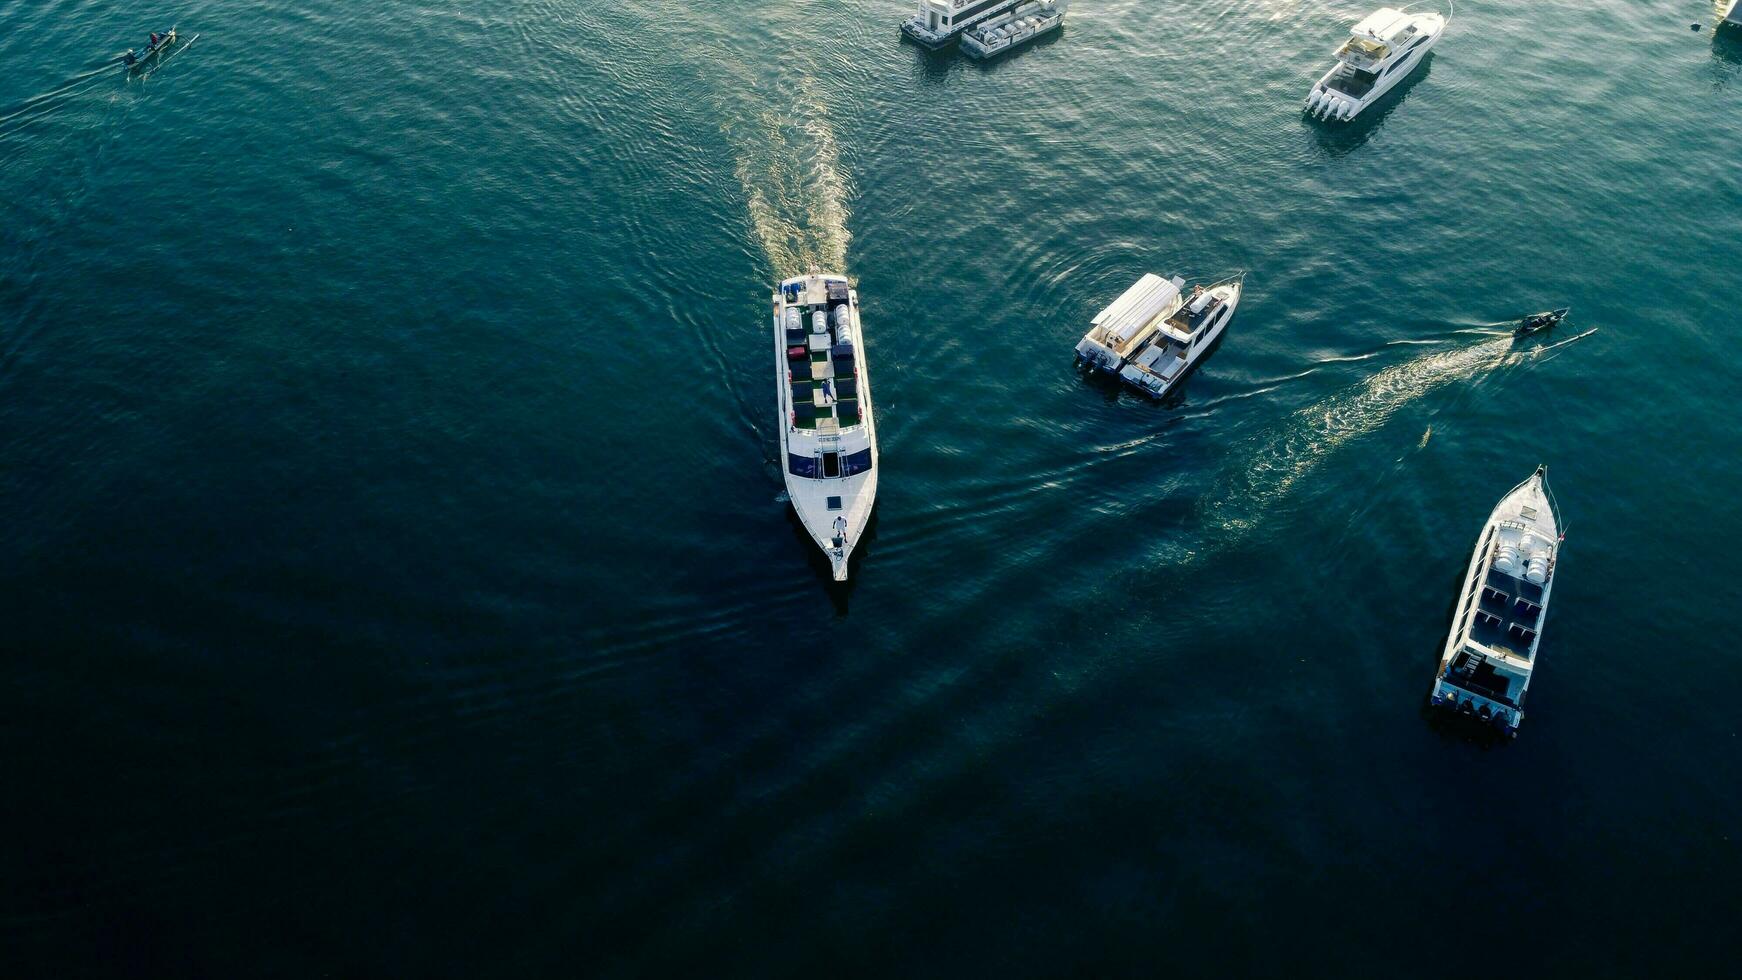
1541,321
151,51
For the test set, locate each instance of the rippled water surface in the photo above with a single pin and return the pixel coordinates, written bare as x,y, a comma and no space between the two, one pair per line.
395,577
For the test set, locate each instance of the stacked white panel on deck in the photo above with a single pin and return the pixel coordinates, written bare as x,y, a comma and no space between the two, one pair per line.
1136,308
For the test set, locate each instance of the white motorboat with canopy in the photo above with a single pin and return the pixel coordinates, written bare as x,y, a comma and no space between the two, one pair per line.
1155,332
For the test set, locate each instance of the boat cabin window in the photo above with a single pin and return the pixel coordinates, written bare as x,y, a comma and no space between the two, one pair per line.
1353,82
831,464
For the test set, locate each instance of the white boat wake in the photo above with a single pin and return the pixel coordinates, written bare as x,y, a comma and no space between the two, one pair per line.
1281,456
795,187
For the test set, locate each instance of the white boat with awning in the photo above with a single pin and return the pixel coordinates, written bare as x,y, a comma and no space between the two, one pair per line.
1156,332
828,441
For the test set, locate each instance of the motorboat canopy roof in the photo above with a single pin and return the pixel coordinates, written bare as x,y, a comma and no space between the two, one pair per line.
1148,299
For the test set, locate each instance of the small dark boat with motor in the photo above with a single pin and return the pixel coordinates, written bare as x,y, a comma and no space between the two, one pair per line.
1541,321
135,61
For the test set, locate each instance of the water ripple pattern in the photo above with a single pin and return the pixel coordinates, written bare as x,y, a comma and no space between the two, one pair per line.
396,580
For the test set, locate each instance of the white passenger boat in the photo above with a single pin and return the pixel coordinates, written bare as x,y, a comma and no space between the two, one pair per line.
1155,332
828,442
1025,22
938,23
1490,655
1380,52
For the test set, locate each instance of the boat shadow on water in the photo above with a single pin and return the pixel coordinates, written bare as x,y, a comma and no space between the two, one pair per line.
839,592
1727,46
1339,138
934,63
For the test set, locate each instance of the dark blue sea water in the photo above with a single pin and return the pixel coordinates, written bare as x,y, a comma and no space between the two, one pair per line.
395,578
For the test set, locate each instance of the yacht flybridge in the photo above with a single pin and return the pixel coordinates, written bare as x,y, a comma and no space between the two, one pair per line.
1155,332
1491,652
938,23
828,443
1381,50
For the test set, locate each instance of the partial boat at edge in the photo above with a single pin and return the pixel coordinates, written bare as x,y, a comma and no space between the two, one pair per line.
1154,334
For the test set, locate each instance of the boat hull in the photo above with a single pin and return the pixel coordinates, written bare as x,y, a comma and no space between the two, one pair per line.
1528,510
1327,103
831,495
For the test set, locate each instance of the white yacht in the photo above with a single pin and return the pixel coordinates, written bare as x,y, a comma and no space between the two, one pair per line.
1491,652
938,23
1381,50
1025,22
828,443
1155,332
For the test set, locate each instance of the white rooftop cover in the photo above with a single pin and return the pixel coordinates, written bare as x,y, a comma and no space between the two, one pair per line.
1136,308
1382,24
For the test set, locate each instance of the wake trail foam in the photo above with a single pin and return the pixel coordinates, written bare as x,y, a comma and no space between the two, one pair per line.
795,188
1283,455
